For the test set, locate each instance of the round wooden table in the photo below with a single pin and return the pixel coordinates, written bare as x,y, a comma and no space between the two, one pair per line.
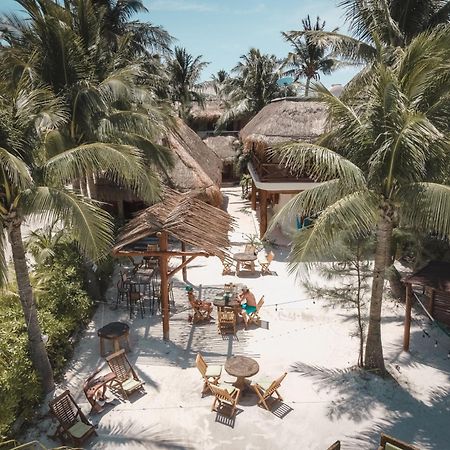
241,367
244,257
113,331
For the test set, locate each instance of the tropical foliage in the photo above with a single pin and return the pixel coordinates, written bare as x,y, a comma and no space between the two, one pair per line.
383,164
307,58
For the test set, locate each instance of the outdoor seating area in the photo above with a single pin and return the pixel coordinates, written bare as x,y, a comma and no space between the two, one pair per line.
138,388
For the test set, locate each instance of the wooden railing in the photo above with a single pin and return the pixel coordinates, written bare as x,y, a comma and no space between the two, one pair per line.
272,171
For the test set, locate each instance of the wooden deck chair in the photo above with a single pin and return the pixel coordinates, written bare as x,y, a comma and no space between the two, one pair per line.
211,374
265,390
200,311
226,321
390,443
126,379
73,424
225,395
254,316
335,446
265,261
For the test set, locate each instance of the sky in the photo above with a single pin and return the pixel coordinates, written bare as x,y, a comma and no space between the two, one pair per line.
223,30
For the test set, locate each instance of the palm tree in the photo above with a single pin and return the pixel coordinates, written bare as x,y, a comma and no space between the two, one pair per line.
390,154
253,87
33,182
184,73
308,58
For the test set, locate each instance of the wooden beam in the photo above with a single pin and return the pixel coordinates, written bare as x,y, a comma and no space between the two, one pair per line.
407,329
131,253
253,196
183,260
163,268
262,212
181,266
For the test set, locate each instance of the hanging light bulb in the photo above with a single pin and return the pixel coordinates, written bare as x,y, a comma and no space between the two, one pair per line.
435,343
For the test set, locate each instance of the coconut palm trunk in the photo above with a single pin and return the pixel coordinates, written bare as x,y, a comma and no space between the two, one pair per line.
307,85
374,349
38,353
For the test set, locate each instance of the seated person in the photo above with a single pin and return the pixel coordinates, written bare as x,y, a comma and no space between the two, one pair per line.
248,303
204,306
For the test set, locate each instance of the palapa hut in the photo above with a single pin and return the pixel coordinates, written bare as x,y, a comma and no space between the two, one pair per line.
196,168
203,119
188,220
282,120
225,148
434,278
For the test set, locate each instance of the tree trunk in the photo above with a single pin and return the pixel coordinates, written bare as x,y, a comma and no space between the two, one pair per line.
374,349
397,287
38,353
308,82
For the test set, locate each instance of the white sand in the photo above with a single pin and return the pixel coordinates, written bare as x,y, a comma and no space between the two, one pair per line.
320,406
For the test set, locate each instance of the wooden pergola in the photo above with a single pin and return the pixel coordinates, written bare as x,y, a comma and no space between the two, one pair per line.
435,279
185,218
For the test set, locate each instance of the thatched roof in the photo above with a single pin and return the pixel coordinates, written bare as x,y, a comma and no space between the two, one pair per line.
212,111
436,275
285,120
223,146
196,166
184,217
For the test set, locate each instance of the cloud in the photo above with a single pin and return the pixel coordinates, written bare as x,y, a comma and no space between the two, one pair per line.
180,5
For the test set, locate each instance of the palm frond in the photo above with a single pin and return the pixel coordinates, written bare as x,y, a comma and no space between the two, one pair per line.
15,170
3,262
91,226
356,214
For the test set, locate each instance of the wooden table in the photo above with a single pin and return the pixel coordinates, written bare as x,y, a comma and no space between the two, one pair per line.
93,385
232,303
244,257
241,367
113,331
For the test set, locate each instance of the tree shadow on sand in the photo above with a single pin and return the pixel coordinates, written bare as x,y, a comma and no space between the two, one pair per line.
358,396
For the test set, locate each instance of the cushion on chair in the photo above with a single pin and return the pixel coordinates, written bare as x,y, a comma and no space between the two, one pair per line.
389,446
227,387
264,383
79,429
131,384
213,371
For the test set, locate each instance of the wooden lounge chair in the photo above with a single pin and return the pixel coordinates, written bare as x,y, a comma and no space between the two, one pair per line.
226,321
265,390
211,374
73,424
227,396
335,446
265,262
126,379
391,443
254,316
200,310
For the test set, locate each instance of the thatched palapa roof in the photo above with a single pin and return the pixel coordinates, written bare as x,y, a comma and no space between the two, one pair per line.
223,146
212,110
196,166
184,217
285,120
436,275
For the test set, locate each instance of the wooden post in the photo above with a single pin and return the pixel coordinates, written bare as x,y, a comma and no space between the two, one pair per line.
183,260
431,302
163,267
262,212
407,329
253,196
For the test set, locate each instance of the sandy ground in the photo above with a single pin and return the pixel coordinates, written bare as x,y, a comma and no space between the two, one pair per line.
324,398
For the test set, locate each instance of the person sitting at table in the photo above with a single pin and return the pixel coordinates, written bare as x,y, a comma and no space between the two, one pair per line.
204,306
248,303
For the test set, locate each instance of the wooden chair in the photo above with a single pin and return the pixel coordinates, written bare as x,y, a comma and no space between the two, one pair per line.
226,321
225,395
211,374
265,390
390,443
254,316
201,310
335,446
126,379
73,424
265,262
227,263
